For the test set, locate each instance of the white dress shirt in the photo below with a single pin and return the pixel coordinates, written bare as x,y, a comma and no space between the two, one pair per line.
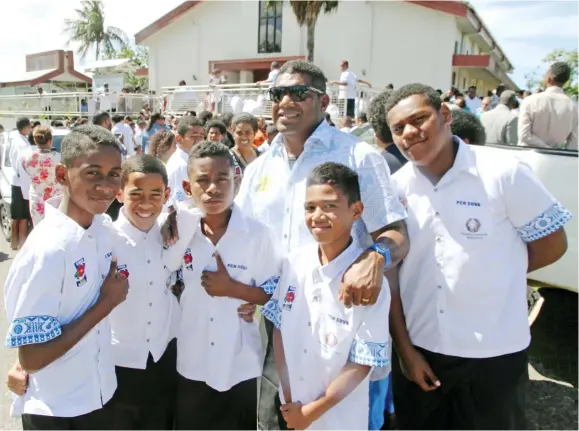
321,335
214,345
127,132
148,319
549,119
271,78
19,146
177,172
53,280
473,104
463,283
274,194
348,91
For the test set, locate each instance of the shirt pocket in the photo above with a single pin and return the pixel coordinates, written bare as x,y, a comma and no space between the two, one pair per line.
335,333
472,226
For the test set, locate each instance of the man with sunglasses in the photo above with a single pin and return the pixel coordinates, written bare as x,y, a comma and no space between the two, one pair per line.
273,191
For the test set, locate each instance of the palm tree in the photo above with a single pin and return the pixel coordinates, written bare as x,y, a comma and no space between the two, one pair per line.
307,13
89,30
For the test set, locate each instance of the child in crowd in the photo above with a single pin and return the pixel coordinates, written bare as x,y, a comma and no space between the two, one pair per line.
244,127
62,286
215,130
162,145
40,167
323,350
227,259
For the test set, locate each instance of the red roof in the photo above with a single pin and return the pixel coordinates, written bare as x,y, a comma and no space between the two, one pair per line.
165,20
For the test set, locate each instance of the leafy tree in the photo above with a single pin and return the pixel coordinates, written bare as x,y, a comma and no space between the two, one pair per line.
307,14
571,88
139,57
89,30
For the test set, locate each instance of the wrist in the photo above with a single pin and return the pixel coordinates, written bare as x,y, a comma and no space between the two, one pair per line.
384,252
309,411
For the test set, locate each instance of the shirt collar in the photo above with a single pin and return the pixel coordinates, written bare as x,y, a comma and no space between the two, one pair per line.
237,221
131,231
342,262
554,89
73,229
324,133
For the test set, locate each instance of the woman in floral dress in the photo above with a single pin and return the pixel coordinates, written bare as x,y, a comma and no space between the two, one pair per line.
39,164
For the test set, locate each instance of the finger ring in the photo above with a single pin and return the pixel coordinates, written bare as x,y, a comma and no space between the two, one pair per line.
365,300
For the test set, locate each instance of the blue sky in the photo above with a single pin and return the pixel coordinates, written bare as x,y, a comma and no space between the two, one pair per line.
526,30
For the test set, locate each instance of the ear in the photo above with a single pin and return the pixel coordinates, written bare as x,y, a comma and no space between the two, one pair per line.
358,208
120,196
179,138
167,195
446,114
236,185
187,187
60,173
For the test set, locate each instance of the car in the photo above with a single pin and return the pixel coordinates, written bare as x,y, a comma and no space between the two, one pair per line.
366,133
7,171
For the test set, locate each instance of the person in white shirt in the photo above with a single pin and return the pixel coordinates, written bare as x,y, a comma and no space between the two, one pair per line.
272,76
473,102
120,128
273,191
477,225
190,132
347,87
60,289
550,119
20,184
324,351
228,260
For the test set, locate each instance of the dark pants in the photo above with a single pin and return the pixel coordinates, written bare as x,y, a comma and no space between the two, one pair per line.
145,399
199,406
268,412
19,207
474,393
100,419
351,107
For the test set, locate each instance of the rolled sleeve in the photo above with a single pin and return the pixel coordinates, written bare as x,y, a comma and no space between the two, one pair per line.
272,312
270,269
381,203
532,210
33,295
371,345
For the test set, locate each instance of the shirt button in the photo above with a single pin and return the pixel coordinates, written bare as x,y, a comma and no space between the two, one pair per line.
309,323
150,304
436,214
147,340
285,235
440,287
211,319
441,311
305,351
435,189
150,283
148,323
148,261
212,343
287,210
439,239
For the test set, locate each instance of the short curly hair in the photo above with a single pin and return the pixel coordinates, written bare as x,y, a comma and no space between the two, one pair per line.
377,116
315,75
244,118
430,95
468,127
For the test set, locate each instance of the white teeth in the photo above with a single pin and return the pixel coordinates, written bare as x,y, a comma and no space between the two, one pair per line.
144,215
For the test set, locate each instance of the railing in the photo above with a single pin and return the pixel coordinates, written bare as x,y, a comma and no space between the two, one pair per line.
60,105
250,98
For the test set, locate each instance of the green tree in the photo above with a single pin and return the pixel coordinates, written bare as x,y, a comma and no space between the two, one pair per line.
139,57
89,30
571,88
307,14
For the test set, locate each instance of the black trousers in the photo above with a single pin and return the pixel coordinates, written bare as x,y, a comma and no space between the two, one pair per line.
269,417
474,393
351,107
145,399
200,407
100,419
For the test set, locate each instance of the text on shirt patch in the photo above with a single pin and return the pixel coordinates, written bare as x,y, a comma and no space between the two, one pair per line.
468,204
338,320
80,275
122,269
188,260
234,266
109,254
290,296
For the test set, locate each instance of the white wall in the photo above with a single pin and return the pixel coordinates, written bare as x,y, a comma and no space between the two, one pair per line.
394,42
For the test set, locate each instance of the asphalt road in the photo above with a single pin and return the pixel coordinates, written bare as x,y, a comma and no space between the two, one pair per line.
552,393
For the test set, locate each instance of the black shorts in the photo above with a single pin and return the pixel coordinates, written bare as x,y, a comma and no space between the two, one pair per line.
100,419
19,209
351,107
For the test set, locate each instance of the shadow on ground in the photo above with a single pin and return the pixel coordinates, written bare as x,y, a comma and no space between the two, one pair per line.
552,404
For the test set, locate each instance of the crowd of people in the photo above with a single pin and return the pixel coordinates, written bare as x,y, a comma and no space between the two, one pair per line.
378,291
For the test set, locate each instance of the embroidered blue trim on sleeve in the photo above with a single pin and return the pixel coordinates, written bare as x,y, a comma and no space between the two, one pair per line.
368,353
32,330
272,312
270,285
545,224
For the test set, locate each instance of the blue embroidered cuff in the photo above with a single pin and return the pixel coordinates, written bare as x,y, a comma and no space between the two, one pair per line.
272,312
368,353
32,330
547,223
270,285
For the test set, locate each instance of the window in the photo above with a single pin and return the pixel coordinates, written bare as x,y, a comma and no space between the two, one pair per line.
269,30
455,47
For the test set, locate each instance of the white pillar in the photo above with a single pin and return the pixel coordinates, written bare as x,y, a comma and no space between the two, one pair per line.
246,77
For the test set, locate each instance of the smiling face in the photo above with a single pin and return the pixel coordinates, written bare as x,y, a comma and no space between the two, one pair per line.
211,184
419,130
214,134
329,215
92,182
295,118
143,196
243,135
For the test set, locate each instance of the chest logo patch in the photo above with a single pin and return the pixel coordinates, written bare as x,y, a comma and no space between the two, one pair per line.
122,269
473,225
290,296
188,260
263,185
331,339
79,275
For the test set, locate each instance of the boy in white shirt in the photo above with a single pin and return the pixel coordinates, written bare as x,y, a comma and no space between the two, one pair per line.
62,286
226,260
324,351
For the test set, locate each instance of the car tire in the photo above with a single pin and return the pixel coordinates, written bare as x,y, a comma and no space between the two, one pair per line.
5,220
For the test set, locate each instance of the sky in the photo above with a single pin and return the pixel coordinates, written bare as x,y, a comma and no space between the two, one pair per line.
525,30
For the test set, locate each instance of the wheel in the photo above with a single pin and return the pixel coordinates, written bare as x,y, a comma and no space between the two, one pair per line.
5,221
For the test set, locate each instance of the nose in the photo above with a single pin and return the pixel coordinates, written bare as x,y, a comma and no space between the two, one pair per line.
409,131
108,185
318,215
212,189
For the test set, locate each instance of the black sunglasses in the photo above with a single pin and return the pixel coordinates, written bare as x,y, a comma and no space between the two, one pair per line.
298,93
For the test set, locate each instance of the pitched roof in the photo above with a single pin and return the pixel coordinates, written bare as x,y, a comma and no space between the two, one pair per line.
165,20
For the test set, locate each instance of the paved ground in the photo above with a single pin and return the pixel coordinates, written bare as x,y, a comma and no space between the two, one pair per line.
552,393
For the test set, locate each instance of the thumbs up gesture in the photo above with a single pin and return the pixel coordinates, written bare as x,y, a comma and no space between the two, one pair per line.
115,287
217,283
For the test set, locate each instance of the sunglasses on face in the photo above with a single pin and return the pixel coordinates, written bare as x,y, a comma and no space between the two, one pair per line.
298,93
